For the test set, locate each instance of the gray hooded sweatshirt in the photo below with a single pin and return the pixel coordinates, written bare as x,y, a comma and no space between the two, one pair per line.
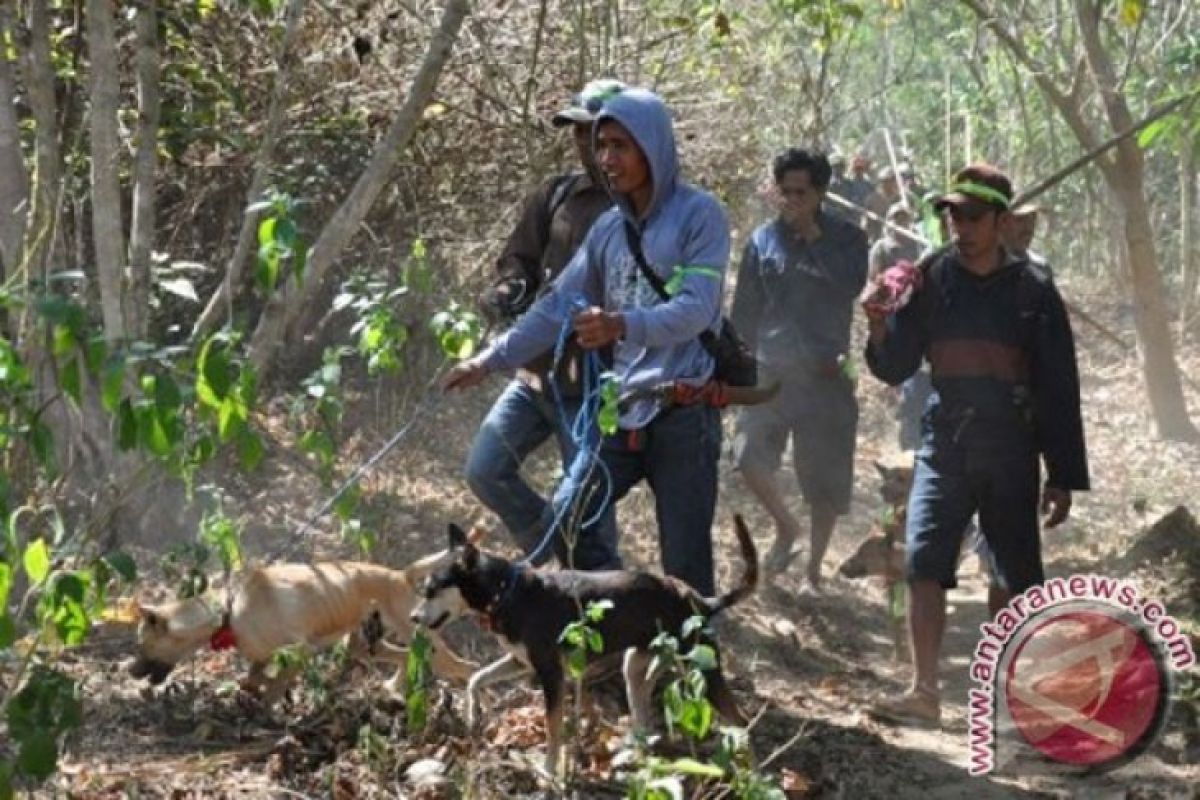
685,238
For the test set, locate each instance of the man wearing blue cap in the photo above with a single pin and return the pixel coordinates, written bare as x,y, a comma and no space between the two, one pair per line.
554,221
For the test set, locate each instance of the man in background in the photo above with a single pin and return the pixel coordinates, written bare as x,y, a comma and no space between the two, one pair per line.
798,280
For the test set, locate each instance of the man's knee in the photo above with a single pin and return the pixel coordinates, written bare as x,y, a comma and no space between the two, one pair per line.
483,470
926,562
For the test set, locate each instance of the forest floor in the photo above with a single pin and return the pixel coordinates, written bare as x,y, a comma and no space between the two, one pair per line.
806,669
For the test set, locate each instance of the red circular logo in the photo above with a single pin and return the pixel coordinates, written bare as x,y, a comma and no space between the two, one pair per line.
1085,688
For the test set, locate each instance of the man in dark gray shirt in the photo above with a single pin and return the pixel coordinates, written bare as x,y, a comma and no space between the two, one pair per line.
797,285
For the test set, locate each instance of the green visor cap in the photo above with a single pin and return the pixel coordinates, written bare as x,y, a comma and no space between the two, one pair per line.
968,191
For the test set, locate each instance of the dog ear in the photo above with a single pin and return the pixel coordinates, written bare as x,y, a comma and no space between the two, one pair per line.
881,469
476,534
470,555
457,537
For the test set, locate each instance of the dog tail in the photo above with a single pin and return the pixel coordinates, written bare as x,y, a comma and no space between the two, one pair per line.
749,577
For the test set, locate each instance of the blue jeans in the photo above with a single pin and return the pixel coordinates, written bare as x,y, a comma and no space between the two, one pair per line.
677,454
519,422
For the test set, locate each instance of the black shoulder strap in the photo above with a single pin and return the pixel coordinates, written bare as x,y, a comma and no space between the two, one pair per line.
563,185
634,239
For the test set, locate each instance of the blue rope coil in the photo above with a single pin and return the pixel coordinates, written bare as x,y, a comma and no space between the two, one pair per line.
584,432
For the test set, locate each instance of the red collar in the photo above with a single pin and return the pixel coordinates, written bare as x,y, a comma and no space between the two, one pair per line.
223,638
491,614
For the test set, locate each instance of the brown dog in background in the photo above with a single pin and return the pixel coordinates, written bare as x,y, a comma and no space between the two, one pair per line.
276,606
881,554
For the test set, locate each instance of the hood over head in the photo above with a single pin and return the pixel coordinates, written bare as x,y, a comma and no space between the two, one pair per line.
644,114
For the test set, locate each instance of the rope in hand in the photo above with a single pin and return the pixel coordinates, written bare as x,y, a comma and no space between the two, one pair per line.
584,434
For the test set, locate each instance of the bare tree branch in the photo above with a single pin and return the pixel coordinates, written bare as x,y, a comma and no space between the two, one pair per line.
108,230
14,189
284,307
220,304
145,168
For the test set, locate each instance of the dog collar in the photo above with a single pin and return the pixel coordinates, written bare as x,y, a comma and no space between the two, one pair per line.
223,638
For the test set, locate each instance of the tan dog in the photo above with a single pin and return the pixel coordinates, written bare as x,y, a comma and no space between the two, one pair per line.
293,604
881,555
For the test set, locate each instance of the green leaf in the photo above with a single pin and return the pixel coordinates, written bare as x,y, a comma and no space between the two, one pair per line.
37,560
692,625
690,766
215,373
266,271
417,674
8,631
266,232
703,657
577,662
112,382
6,580
1131,11
127,426
696,719
203,449
230,419
285,234
37,755
608,415
6,776
167,396
597,609
1151,133
70,618
344,506
122,564
250,449
151,433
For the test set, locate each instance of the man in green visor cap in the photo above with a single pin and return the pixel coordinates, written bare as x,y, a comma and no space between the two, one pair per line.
1005,401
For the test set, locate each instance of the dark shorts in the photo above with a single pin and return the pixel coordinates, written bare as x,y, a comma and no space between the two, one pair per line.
950,484
821,416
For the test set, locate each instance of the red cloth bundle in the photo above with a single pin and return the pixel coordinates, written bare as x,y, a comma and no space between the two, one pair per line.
892,290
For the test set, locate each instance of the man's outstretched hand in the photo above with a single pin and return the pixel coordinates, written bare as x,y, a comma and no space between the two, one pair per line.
465,374
1056,503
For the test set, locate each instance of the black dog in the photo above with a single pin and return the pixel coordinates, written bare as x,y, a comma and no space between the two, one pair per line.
530,609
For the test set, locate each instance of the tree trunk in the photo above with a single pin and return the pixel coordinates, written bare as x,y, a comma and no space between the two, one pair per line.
289,301
219,304
14,188
108,231
1188,245
1124,176
1127,181
43,241
145,168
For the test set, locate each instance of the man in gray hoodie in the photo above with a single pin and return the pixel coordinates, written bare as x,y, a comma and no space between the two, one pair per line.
603,298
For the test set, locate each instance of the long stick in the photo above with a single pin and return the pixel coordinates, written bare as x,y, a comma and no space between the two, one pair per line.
1056,178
